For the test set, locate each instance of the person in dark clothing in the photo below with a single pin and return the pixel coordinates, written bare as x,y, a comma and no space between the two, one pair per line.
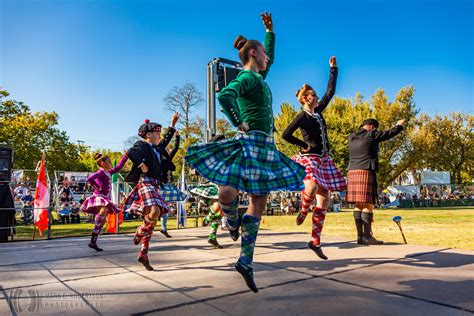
322,175
362,183
168,191
146,173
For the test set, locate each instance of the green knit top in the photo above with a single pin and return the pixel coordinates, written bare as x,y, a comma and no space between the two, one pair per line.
248,98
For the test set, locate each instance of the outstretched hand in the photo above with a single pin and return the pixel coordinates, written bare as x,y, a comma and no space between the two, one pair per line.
174,118
267,21
401,122
332,61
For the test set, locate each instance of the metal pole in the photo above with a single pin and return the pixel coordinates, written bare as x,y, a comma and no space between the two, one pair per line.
211,99
50,220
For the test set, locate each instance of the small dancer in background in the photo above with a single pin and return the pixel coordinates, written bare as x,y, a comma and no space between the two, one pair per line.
99,203
146,173
168,191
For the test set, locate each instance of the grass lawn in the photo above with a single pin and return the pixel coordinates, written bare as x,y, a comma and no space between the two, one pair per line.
445,227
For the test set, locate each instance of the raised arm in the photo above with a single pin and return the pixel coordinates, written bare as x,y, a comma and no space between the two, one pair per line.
171,130
269,42
382,136
288,133
120,165
331,88
176,145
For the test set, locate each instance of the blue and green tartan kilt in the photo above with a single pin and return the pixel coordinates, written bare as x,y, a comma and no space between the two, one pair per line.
250,162
208,191
170,193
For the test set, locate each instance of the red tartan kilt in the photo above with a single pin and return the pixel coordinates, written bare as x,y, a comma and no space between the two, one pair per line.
145,194
362,186
323,171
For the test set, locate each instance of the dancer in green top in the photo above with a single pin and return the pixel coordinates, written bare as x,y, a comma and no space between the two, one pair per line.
250,162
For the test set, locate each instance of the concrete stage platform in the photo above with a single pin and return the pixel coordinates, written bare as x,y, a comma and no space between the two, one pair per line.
191,278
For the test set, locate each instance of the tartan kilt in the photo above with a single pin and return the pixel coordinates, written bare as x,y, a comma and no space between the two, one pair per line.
144,194
94,202
250,162
362,187
208,191
323,171
170,193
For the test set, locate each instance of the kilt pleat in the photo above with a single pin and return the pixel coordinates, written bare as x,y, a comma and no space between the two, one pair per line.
362,187
146,193
171,193
208,191
250,162
323,171
94,202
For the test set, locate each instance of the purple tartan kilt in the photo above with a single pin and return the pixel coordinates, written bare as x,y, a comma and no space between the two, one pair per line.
145,194
323,171
94,202
362,187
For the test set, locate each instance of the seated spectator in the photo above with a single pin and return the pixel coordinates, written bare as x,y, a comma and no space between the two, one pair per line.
64,213
20,191
67,190
82,199
75,210
28,197
73,183
63,198
27,213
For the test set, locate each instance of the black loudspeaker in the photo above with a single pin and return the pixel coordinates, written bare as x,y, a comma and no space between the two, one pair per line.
7,212
225,75
6,162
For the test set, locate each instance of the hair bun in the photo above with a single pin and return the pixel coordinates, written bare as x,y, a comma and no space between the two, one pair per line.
97,156
147,121
239,42
297,92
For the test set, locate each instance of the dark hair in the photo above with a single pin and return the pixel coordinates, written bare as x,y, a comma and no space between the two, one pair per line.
244,46
98,157
371,121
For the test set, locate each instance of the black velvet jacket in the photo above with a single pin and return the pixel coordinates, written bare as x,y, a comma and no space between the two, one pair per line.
364,147
142,152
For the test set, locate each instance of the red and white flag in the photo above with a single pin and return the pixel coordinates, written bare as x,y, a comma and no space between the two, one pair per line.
41,200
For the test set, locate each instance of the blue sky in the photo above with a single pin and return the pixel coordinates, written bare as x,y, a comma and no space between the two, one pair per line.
106,65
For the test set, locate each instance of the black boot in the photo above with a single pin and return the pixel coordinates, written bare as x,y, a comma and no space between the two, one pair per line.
214,243
247,273
146,263
95,247
359,226
93,243
317,250
165,232
369,239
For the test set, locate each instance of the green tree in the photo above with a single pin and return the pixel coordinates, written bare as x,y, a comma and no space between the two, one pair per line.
448,145
282,120
30,133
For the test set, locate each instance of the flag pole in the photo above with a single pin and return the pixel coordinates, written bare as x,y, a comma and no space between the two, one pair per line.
34,227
